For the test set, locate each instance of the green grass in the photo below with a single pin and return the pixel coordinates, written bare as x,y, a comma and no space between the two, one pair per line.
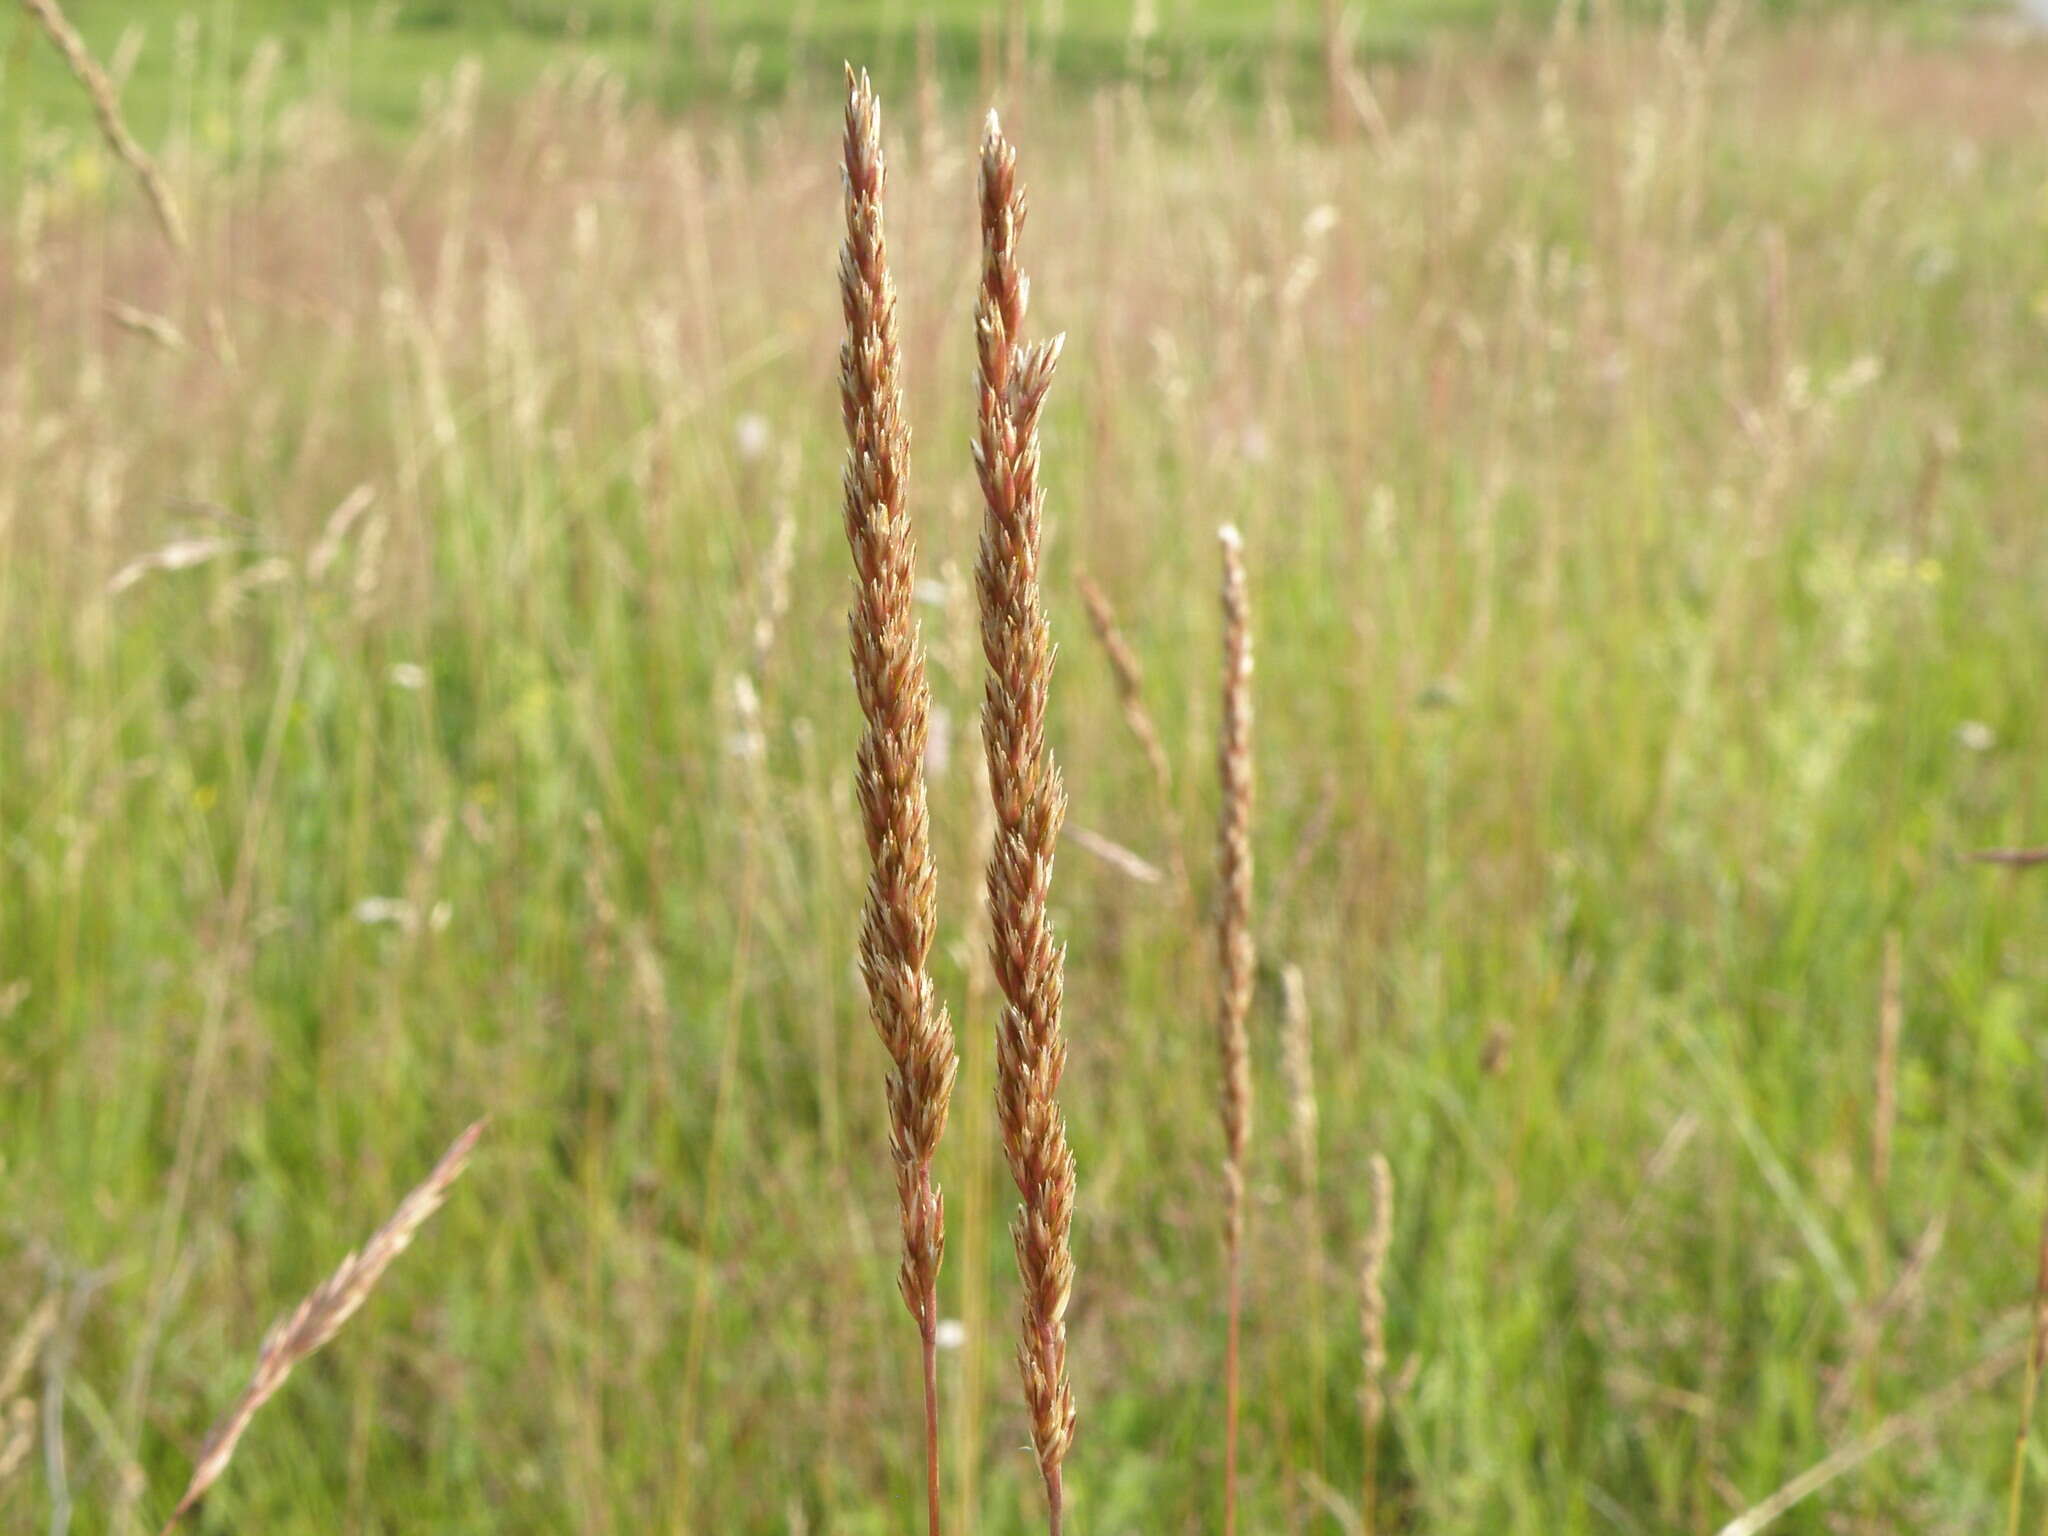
1640,464
379,58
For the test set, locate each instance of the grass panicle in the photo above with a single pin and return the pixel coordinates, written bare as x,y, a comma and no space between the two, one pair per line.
1236,960
320,1317
901,917
394,611
1030,806
1297,1059
1887,1432
17,1406
1129,675
106,106
1372,1316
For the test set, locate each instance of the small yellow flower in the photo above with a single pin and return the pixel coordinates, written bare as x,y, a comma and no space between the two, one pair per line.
86,170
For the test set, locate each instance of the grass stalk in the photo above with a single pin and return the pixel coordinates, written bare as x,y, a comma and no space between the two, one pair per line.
1372,1303
1297,1053
320,1317
1899,1426
1891,1015
1030,805
1236,959
895,699
106,108
1129,675
2030,1389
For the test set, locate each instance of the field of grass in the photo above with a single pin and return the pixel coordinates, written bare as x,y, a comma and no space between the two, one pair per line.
423,695
375,57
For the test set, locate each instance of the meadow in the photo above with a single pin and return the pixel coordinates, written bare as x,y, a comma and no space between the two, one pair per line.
424,696
179,65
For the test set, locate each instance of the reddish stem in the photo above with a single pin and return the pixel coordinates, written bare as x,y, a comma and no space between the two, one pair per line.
929,1329
1230,1400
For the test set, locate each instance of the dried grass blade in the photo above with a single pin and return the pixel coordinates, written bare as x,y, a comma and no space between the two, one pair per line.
106,107
320,1316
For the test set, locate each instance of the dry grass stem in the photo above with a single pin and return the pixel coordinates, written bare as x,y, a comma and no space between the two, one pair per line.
28,1344
1235,961
1297,1054
106,107
1372,1307
2037,1355
1867,1326
2013,858
1297,1059
17,1408
320,1316
150,326
1129,675
1890,1020
1908,1421
1336,65
772,605
1126,862
1030,805
901,917
17,1436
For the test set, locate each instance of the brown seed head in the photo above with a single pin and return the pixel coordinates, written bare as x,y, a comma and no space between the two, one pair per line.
1235,955
900,920
320,1316
1030,804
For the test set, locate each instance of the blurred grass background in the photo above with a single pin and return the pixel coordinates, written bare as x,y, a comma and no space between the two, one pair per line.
422,693
377,56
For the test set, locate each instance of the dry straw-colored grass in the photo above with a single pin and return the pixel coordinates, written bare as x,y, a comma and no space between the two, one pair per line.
1372,1317
1128,672
1387,260
2030,1390
1888,1432
1030,805
320,1317
17,1408
901,916
1891,1017
1297,1061
106,106
1236,960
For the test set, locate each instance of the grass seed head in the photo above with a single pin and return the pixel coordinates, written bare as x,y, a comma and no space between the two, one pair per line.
1030,805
